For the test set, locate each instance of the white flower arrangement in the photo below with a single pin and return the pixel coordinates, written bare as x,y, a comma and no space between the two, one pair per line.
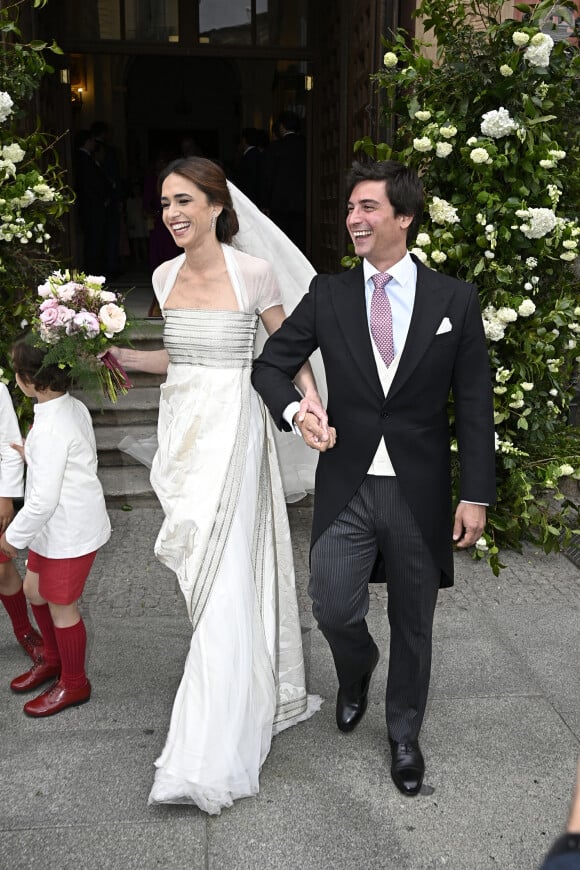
538,51
442,212
497,123
480,155
443,149
540,222
422,143
520,39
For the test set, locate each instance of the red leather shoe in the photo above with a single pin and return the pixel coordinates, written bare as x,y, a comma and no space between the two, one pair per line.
39,673
57,698
32,644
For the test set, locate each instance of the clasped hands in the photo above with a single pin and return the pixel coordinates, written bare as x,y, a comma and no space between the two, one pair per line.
312,420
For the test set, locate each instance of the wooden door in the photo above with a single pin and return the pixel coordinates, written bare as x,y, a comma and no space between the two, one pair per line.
346,108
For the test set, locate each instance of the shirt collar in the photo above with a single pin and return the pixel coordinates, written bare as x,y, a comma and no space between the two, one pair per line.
401,272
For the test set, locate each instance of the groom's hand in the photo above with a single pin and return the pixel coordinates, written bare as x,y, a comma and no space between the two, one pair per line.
316,436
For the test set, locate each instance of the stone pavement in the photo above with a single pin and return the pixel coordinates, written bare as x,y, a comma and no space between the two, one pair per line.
501,735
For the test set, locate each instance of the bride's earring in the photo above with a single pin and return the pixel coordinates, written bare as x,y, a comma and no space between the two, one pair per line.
213,221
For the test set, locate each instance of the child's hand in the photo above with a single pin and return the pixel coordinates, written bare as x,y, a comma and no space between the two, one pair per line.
6,513
19,449
7,548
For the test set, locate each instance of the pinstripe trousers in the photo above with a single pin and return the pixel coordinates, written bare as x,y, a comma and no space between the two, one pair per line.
378,519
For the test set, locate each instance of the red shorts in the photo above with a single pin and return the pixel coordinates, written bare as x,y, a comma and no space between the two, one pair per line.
4,559
60,581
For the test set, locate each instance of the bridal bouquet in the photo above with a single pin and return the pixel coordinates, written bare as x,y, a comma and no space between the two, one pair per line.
77,320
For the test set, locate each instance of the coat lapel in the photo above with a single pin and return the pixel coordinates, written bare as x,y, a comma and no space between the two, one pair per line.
431,302
348,301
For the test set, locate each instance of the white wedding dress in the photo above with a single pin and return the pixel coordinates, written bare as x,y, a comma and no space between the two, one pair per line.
227,538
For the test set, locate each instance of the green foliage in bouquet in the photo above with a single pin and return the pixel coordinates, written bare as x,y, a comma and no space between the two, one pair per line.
33,194
492,126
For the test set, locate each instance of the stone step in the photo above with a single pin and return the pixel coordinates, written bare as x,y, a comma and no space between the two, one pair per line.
138,406
108,438
127,486
124,479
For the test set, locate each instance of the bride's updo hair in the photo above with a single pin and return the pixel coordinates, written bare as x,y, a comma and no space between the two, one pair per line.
211,180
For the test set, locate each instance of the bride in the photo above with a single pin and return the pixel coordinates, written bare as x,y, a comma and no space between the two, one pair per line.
216,474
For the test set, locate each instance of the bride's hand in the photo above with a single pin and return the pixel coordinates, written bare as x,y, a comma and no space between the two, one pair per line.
115,351
312,403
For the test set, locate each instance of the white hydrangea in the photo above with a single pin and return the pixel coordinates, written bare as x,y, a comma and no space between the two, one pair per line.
570,244
505,70
422,115
556,154
497,123
390,59
480,155
481,545
442,212
423,239
526,308
519,38
472,141
443,149
540,222
527,386
26,199
502,374
448,131
420,254
5,106
531,262
507,315
538,51
13,152
566,470
494,330
44,192
422,144
547,164
569,256
438,256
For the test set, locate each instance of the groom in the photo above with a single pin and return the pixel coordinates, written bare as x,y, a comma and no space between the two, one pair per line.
396,338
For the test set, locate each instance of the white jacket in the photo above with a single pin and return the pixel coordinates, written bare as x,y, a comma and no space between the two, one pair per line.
11,464
64,512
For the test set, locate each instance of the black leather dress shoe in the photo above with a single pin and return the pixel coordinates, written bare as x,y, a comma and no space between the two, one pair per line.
351,702
407,766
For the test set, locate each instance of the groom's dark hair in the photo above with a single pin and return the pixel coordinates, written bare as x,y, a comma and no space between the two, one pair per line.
403,187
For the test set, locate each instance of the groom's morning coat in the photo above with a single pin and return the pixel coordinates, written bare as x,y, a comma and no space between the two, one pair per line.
413,418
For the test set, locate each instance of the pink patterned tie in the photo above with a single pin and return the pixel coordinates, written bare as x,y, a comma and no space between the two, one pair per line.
382,318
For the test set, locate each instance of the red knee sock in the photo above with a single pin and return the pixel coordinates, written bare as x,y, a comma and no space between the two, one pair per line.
17,610
72,646
46,628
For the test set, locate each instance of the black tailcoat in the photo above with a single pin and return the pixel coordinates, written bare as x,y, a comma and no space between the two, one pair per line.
413,418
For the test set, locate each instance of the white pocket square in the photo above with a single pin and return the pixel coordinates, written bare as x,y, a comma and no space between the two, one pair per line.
444,326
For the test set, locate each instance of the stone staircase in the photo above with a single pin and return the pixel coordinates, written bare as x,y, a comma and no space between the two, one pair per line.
125,480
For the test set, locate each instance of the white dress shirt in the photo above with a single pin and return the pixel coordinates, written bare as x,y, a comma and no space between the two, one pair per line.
11,464
64,513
